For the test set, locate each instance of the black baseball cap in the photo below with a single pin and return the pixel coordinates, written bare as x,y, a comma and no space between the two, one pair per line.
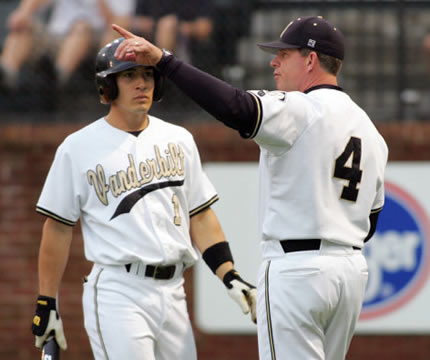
310,32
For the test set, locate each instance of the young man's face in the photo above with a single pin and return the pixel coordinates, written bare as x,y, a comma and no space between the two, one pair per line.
135,89
289,69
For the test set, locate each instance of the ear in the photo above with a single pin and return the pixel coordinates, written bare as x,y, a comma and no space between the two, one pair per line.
312,60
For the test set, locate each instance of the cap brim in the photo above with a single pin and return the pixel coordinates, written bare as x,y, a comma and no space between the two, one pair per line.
274,46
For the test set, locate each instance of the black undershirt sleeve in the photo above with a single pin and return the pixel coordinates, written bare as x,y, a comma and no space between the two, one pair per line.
373,217
234,107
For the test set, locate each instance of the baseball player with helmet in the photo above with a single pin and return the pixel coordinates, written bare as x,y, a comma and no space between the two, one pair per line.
322,165
137,187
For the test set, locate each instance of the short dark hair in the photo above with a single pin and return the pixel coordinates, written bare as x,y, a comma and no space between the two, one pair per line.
329,63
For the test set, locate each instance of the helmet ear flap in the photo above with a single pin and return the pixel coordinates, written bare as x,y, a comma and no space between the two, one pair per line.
107,87
158,86
111,87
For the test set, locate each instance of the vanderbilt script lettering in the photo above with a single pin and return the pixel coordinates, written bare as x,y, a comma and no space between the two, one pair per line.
137,175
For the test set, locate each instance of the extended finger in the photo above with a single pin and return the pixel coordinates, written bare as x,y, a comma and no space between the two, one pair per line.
123,32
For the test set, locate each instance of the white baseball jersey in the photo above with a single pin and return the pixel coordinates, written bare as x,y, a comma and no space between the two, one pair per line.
67,12
322,167
133,195
321,171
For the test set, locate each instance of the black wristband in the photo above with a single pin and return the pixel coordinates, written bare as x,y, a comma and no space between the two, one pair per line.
217,254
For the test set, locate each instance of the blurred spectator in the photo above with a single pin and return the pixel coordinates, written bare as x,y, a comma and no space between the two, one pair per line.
177,26
74,28
232,22
426,46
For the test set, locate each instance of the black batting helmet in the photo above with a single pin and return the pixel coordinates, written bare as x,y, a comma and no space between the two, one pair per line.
107,66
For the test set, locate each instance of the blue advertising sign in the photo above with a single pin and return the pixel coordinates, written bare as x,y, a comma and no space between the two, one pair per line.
398,255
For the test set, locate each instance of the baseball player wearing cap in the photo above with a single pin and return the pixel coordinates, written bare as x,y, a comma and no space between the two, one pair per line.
137,186
322,166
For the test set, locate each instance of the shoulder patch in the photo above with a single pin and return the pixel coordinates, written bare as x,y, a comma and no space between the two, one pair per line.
261,93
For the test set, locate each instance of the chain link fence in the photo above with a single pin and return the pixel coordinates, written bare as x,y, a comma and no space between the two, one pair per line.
386,69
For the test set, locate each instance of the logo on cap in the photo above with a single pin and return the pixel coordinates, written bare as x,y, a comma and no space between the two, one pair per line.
311,43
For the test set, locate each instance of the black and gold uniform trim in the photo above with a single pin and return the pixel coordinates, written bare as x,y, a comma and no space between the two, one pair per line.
55,216
268,313
204,206
96,309
259,118
373,211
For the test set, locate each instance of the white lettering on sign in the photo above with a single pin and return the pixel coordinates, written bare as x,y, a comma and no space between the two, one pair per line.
390,252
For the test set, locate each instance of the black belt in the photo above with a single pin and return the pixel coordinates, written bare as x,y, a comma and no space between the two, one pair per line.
303,245
157,272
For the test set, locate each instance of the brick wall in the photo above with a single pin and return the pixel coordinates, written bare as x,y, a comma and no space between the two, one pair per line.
26,152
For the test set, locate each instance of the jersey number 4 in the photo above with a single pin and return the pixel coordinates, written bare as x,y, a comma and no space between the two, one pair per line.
347,167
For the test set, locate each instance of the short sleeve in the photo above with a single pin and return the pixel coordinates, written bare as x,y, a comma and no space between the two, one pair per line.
59,198
283,117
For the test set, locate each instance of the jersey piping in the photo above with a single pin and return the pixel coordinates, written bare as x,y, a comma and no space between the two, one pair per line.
96,309
268,313
55,216
373,211
204,206
259,118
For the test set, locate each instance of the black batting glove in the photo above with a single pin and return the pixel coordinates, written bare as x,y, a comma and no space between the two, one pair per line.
47,321
242,292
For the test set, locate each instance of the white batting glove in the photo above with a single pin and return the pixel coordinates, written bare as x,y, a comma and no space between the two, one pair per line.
46,322
242,292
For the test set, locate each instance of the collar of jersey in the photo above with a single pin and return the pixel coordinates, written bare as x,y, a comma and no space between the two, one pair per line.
135,133
323,86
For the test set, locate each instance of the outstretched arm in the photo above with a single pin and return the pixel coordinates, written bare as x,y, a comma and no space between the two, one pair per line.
236,108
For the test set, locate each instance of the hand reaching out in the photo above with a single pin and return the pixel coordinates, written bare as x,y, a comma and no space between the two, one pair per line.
136,48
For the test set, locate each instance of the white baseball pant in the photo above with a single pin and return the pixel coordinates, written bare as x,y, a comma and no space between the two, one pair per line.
309,303
134,317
